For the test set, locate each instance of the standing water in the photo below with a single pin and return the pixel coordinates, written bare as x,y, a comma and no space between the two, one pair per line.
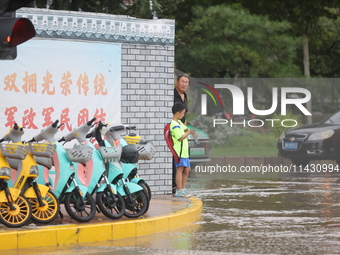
277,213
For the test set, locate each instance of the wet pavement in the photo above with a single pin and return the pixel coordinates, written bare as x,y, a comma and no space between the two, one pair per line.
282,213
244,213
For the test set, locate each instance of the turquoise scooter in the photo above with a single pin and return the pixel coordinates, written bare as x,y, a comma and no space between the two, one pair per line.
136,202
92,173
78,203
130,169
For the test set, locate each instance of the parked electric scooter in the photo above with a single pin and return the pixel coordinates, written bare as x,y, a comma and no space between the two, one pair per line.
78,203
44,203
136,202
92,174
128,164
15,210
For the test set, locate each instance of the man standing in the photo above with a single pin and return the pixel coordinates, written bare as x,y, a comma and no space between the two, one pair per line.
182,85
180,96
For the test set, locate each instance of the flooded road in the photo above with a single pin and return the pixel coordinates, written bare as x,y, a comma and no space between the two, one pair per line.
277,213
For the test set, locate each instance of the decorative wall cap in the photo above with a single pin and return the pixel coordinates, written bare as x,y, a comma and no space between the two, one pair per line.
99,27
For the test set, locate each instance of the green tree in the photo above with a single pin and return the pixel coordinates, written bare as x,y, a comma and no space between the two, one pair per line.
303,15
135,8
184,10
226,42
325,48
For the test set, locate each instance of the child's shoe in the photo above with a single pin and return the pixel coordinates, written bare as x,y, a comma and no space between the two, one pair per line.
180,193
187,194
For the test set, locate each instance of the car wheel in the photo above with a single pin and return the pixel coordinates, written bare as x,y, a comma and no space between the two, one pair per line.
300,162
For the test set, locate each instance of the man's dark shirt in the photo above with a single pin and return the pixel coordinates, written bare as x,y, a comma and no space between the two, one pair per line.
177,98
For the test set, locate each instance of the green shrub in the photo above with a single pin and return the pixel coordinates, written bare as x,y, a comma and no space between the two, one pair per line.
255,144
278,128
254,139
220,133
239,141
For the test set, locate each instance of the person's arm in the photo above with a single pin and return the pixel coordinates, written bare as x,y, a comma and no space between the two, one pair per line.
187,133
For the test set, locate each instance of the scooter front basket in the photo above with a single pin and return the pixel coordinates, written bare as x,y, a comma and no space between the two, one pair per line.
14,151
45,150
110,154
80,153
146,150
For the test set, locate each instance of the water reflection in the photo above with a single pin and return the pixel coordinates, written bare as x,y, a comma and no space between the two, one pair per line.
275,214
296,213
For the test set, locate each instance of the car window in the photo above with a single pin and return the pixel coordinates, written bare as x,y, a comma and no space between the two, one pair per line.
334,119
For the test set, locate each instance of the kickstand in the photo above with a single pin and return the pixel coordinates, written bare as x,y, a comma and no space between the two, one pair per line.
98,211
61,214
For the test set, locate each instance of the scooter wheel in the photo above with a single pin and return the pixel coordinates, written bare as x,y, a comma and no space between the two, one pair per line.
111,205
146,189
18,217
46,213
78,210
138,206
147,192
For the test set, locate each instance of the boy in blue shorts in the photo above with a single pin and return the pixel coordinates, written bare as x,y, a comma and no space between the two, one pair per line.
180,133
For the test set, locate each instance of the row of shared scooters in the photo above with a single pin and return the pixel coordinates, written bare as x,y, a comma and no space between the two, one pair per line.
98,174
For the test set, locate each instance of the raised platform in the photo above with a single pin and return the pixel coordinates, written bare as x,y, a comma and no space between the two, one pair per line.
165,213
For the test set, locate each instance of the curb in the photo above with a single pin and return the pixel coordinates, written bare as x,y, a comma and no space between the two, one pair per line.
75,234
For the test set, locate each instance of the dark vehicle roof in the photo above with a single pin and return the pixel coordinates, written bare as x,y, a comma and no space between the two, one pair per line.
331,122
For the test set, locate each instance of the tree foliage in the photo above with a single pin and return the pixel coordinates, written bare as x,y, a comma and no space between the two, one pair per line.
303,15
315,22
303,12
325,48
222,41
144,9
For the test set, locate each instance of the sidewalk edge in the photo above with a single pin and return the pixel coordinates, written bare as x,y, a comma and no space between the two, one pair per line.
76,234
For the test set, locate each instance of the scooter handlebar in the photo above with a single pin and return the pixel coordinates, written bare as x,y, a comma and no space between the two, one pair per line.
55,124
47,133
14,135
121,128
79,133
114,132
90,122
